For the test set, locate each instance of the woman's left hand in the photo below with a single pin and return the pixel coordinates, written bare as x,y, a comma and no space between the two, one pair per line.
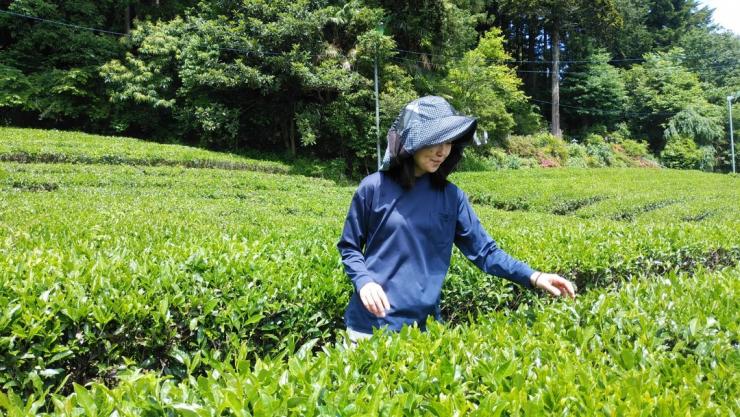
553,284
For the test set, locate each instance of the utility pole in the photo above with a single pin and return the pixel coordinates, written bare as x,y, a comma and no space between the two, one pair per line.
555,80
732,140
377,109
127,19
380,30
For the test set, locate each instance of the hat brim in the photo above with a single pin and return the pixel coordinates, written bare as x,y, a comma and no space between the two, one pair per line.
442,130
457,129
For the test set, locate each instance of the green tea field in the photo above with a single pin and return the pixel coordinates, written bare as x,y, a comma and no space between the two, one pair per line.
146,279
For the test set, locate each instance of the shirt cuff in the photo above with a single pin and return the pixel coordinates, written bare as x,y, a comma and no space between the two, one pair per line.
523,276
361,281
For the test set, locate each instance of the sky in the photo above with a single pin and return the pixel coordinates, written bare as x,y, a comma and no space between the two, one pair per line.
726,13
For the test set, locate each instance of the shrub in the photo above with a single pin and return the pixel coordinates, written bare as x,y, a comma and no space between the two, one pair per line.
553,146
704,123
502,160
708,158
681,152
621,133
496,159
498,155
648,162
526,162
168,268
593,139
600,152
634,148
513,162
523,146
577,162
576,150
621,159
544,148
549,163
472,162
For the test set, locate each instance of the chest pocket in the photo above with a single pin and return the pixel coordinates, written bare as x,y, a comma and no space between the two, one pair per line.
442,228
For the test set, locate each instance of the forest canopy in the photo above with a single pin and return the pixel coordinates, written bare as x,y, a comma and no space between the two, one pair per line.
297,76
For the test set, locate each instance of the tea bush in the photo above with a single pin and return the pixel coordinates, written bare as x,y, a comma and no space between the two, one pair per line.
657,347
196,287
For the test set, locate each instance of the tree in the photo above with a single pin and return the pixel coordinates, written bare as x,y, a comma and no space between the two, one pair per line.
595,92
701,121
480,84
635,38
660,89
260,75
713,56
558,18
668,20
60,63
233,76
655,25
433,30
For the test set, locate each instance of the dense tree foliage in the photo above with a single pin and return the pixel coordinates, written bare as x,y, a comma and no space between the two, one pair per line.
596,92
480,84
49,73
297,76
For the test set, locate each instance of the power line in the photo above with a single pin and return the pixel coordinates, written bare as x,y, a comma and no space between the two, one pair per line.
56,22
395,58
274,53
401,60
65,24
495,61
603,112
562,70
511,61
617,112
251,51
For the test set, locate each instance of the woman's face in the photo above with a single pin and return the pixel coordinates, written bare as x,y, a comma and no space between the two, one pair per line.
428,159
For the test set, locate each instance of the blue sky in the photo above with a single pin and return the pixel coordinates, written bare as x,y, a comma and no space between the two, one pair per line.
726,13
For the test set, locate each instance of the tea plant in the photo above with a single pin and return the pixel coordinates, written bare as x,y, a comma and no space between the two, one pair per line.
657,347
197,286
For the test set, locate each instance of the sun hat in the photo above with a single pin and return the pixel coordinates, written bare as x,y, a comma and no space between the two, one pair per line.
426,121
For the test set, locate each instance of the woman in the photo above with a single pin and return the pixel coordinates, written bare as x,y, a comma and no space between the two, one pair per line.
402,222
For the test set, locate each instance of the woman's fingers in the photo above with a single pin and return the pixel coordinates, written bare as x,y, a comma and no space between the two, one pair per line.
380,310
557,285
563,285
552,289
374,299
384,299
368,305
567,286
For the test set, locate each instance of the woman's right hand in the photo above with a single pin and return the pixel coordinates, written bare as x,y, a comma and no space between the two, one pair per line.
374,299
553,284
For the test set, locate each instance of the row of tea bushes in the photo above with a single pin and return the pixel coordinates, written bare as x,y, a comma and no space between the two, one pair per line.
51,146
107,265
123,263
617,194
661,347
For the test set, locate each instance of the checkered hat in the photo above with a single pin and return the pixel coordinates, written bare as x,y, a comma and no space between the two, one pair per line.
427,121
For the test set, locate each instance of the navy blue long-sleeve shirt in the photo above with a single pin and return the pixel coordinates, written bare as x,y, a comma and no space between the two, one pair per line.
402,240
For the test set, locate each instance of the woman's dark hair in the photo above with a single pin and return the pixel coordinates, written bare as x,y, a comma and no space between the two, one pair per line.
404,172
